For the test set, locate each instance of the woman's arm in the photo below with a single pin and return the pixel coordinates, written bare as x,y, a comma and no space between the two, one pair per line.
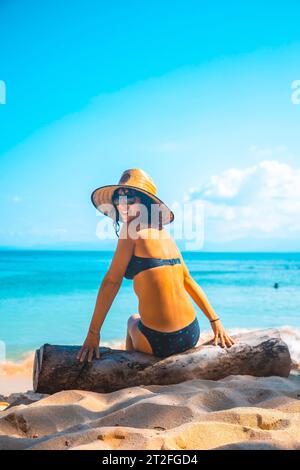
108,290
199,297
106,294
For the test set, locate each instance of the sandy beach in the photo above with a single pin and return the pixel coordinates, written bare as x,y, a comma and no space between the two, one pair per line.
237,412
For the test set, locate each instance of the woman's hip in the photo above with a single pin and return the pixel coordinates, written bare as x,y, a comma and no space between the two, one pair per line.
167,343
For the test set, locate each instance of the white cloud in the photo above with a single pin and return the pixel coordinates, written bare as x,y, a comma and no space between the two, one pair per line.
260,200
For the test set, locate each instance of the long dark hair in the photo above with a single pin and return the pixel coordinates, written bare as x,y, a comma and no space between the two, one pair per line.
145,200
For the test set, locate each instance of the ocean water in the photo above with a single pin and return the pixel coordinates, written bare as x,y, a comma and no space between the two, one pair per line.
49,296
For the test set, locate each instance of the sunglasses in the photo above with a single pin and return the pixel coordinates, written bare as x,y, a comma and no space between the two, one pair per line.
128,198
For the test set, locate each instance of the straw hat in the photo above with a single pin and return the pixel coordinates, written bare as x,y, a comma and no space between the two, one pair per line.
135,179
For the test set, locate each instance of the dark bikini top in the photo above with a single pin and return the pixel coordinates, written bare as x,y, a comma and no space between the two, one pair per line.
138,264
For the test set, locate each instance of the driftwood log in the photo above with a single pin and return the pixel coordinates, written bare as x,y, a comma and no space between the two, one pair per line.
258,353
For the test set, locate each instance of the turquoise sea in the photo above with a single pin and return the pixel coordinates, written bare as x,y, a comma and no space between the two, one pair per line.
49,296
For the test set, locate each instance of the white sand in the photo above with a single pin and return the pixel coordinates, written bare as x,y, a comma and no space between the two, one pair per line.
238,412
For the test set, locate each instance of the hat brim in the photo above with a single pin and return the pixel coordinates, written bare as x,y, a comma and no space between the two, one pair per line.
102,199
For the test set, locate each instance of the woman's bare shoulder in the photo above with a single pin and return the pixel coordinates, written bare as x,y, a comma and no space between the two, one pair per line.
158,241
153,232
127,234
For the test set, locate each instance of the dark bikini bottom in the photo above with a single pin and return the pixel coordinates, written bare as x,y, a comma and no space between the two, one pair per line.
167,343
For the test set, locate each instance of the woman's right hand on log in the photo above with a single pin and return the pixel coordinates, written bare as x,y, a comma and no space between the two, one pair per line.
221,335
90,346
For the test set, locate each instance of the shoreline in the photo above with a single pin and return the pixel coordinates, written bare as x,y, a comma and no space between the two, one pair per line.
16,375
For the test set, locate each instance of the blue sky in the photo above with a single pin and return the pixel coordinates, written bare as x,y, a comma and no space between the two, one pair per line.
196,94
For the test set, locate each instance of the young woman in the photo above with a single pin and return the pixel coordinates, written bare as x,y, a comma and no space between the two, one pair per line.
166,323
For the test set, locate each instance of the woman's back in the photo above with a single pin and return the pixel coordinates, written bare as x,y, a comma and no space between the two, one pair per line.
164,304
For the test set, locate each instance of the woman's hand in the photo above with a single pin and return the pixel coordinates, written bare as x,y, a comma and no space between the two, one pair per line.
90,346
221,335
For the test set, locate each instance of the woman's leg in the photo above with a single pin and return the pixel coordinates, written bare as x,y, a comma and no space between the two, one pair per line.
128,343
135,340
130,322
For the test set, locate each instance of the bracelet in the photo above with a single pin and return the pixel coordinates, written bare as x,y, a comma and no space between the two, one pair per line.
211,321
93,332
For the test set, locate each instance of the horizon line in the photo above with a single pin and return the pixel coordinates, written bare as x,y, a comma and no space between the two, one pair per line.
8,248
